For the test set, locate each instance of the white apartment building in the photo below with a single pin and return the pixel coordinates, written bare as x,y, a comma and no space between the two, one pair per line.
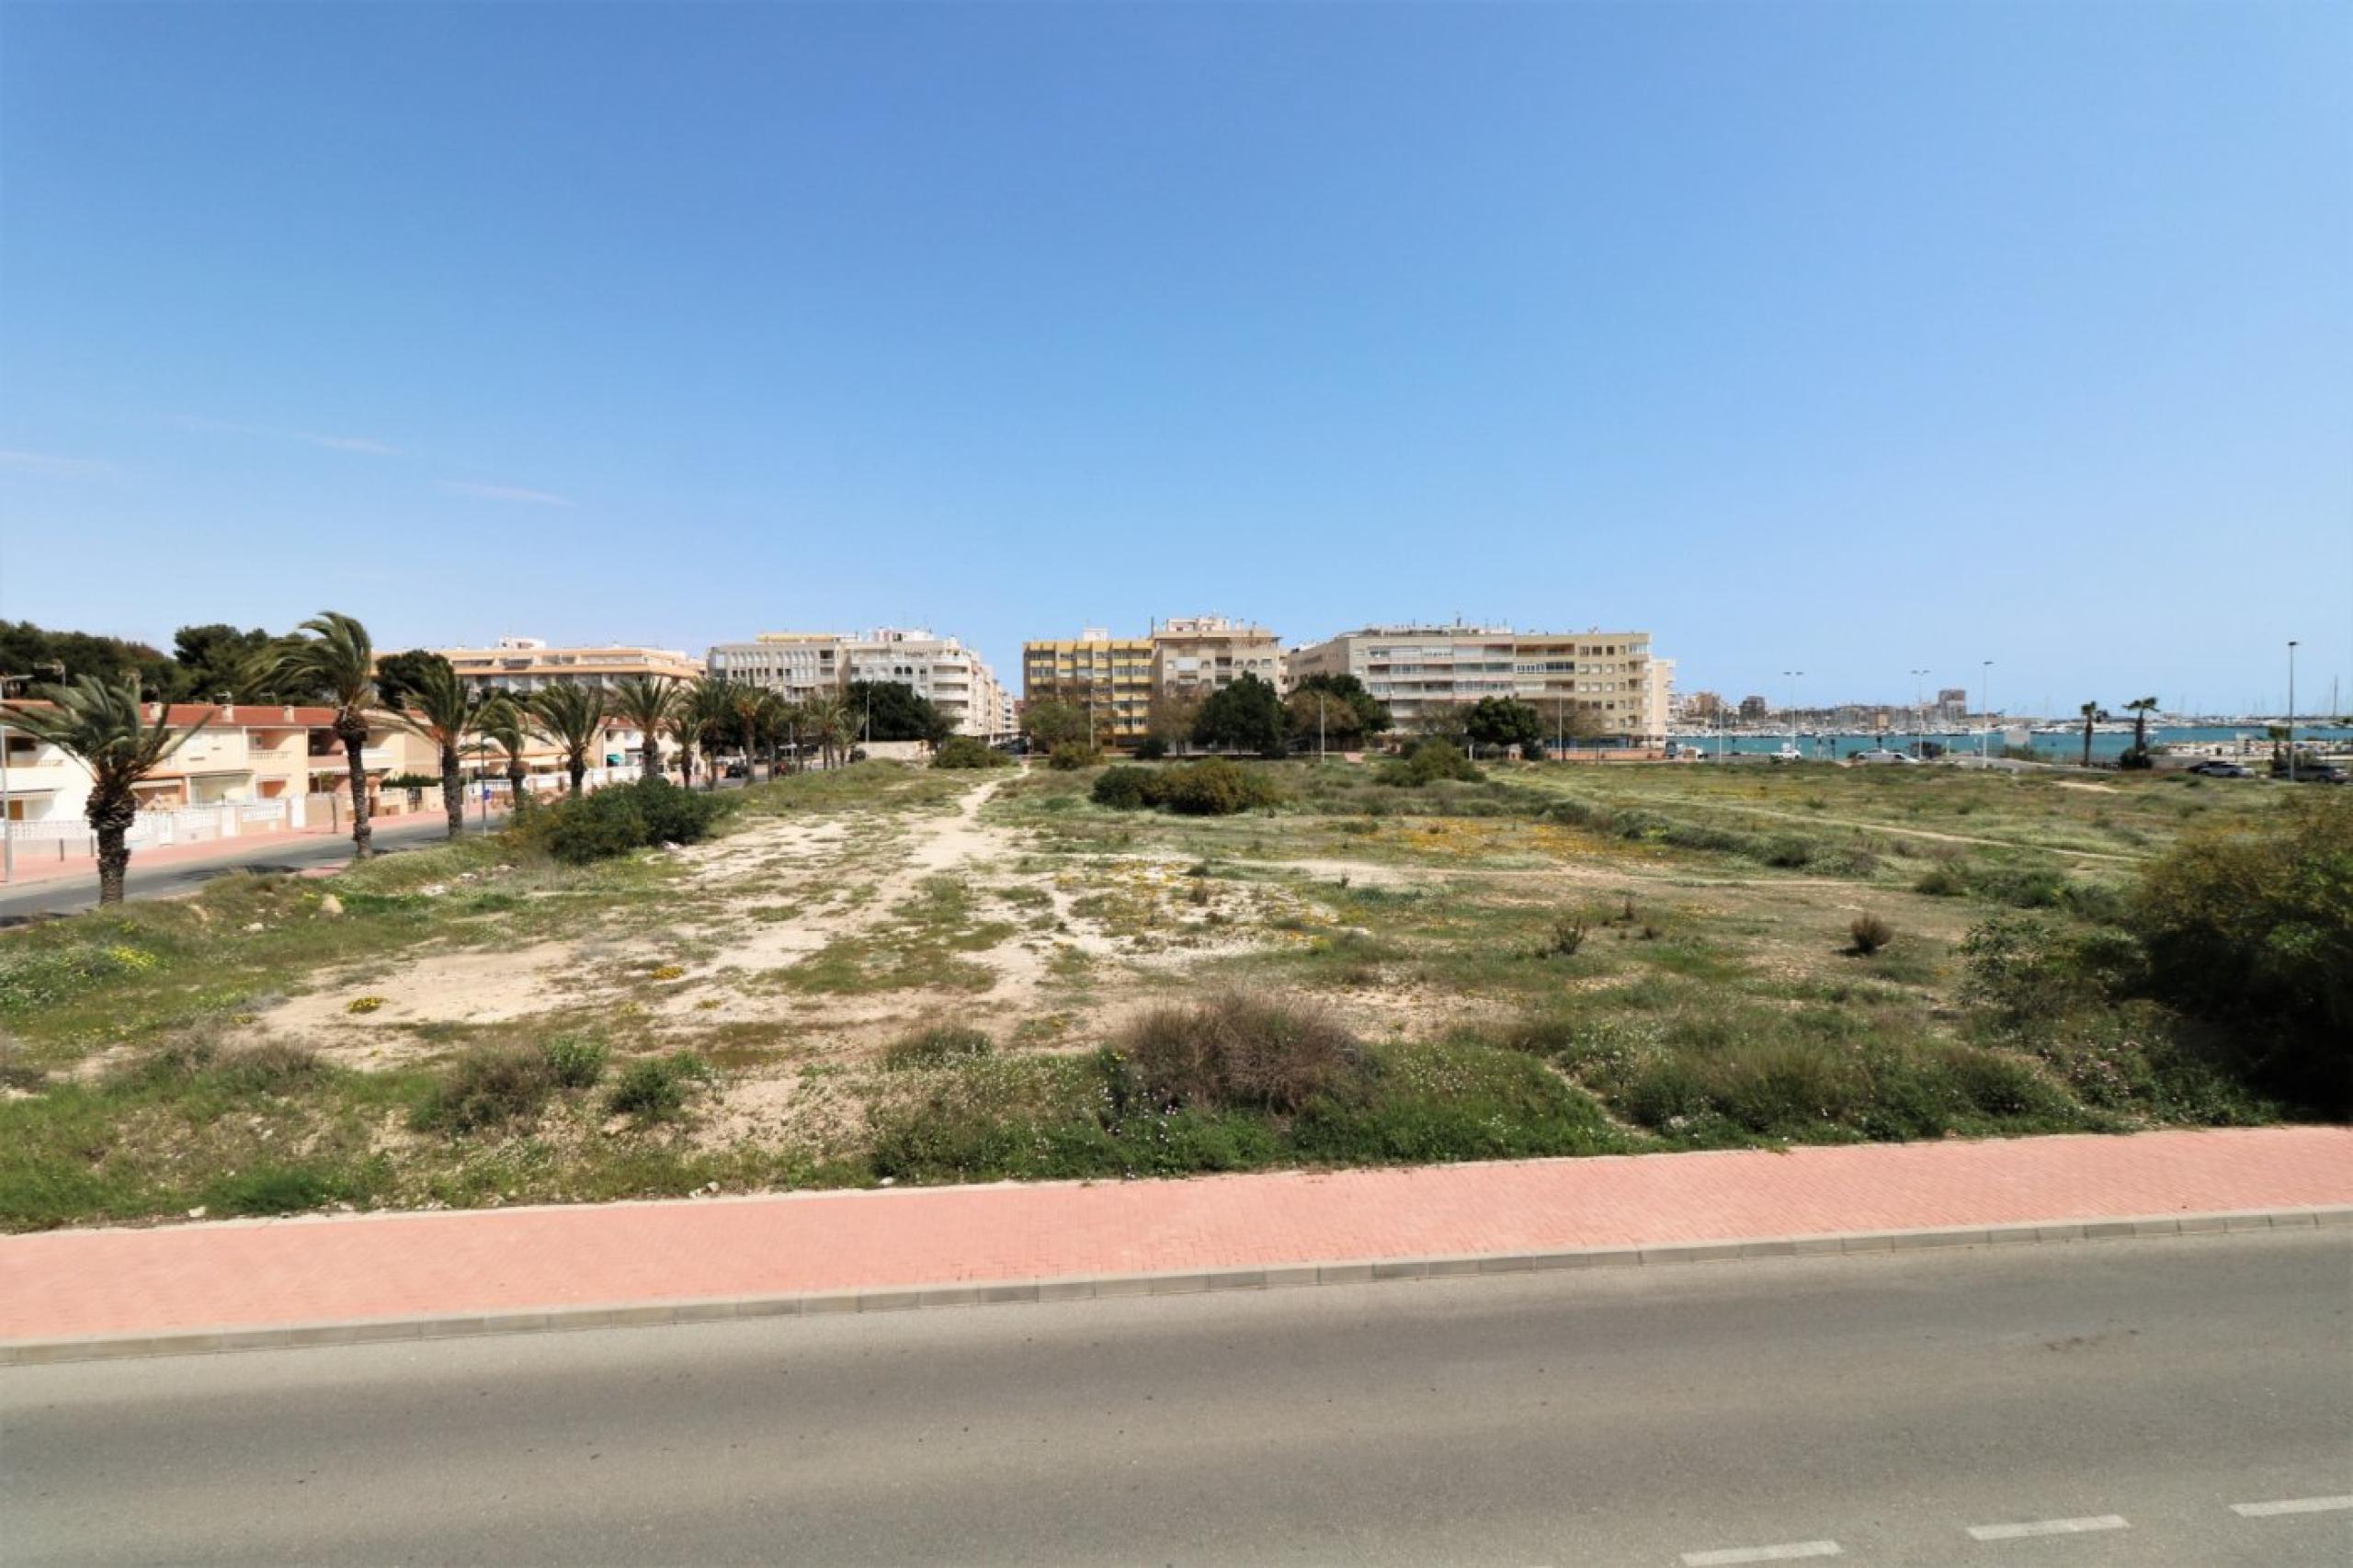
801,664
1607,680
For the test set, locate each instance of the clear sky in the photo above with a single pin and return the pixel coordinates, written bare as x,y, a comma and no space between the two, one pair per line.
1849,338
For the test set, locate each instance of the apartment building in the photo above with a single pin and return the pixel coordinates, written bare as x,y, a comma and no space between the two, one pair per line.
1604,683
1112,676
1420,671
801,665
956,680
1194,655
242,755
528,664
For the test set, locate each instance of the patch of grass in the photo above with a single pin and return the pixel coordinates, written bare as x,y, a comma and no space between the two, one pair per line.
654,1089
933,1047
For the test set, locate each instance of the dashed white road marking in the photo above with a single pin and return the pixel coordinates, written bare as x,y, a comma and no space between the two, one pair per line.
1732,1555
2291,1506
2047,1527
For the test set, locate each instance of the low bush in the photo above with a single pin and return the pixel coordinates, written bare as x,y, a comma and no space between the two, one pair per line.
935,1046
1152,748
1069,757
1429,762
2253,929
492,1085
969,751
1214,787
1566,939
1868,933
573,1062
625,817
1236,1052
1940,882
654,1089
1217,788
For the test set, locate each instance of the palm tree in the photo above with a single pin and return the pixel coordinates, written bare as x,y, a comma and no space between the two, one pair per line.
743,704
443,709
338,661
774,716
506,724
2093,713
706,717
573,716
826,719
645,703
2141,707
96,724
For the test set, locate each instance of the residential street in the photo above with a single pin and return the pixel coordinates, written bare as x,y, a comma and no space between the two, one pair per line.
170,878
2077,1404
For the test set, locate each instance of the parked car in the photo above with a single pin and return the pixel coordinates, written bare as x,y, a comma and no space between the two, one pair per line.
2218,768
2322,775
1883,757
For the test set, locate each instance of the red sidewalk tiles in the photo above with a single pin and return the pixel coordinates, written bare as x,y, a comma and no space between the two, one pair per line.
259,1273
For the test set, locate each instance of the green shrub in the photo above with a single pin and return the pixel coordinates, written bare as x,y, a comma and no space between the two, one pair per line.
1216,788
1567,937
1152,748
1236,1052
1452,1102
1940,882
1123,789
271,1188
491,1085
615,821
935,1046
1870,934
654,1089
1069,757
969,751
573,1062
1429,762
2253,929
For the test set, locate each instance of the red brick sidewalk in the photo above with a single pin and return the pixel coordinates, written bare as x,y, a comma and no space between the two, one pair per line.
260,1273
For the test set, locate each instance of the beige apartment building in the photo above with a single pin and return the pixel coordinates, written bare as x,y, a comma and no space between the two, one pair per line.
1603,683
526,664
1193,656
801,664
1112,677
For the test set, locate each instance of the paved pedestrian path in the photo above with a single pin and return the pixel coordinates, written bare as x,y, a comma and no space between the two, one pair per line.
255,1273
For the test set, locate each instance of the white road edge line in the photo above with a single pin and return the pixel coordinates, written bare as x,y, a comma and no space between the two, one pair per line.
1732,1555
2292,1506
2048,1527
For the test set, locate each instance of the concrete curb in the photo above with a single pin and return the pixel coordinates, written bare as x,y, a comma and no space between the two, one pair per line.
902,1298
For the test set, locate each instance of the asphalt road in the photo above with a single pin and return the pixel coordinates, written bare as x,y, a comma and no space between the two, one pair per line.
1885,1405
70,895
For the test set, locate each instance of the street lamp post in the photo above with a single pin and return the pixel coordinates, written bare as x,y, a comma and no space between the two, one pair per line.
1985,704
2291,710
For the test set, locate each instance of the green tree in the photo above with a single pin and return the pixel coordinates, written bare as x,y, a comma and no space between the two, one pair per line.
705,720
506,722
442,709
826,723
2140,708
217,661
572,715
338,661
1053,721
2093,713
889,711
647,704
1246,716
1502,721
97,722
399,676
29,650
1335,709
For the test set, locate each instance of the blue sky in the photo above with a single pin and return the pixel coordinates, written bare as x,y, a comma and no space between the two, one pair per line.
1854,339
